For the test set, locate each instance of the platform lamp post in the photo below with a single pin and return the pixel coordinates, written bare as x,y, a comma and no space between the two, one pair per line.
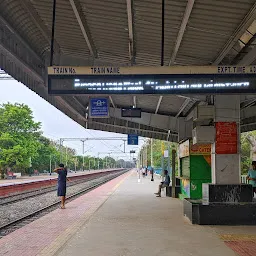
83,154
173,173
151,156
30,166
109,159
142,158
1,169
146,152
98,161
60,149
75,162
140,163
50,164
168,158
66,156
162,159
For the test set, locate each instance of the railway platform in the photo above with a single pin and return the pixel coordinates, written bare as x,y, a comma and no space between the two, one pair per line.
123,217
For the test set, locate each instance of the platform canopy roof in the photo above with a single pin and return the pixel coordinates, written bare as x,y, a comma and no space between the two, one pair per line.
124,33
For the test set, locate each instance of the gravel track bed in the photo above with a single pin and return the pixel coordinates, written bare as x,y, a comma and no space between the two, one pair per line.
13,211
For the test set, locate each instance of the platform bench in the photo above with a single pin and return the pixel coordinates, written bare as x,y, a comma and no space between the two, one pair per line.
169,191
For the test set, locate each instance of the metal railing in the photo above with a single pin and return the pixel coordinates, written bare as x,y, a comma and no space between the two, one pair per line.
158,171
244,180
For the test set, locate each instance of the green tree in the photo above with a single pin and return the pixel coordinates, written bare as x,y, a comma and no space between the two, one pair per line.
248,146
68,156
21,144
109,161
47,153
157,152
19,135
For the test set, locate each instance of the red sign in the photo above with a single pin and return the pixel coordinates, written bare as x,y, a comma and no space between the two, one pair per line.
226,138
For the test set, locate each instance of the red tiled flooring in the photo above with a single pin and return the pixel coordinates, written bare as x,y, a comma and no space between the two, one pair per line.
45,235
243,248
242,244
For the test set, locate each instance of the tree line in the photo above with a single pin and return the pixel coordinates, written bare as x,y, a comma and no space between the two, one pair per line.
23,148
157,147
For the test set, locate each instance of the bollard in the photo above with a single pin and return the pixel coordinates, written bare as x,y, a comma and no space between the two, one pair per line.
173,173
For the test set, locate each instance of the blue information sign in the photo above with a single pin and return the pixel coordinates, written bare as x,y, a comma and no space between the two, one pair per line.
99,107
133,139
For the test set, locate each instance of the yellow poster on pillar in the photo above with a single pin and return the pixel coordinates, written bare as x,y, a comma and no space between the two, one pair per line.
184,149
162,147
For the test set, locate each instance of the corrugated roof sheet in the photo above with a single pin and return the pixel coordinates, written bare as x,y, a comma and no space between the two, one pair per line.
210,26
20,19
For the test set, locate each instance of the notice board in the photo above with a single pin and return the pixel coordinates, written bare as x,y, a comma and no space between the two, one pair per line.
226,138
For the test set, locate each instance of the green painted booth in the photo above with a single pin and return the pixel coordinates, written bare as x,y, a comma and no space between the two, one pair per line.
195,168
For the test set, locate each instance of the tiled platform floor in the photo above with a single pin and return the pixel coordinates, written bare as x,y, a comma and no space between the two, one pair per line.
134,222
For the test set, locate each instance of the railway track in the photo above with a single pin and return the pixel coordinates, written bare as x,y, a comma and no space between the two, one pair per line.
20,222
33,193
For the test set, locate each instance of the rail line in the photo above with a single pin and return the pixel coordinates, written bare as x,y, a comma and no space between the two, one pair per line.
20,222
36,192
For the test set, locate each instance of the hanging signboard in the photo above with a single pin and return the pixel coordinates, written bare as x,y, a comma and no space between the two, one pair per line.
99,108
133,139
131,112
162,148
226,138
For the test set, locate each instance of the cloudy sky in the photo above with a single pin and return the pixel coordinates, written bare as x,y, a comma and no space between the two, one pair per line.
56,125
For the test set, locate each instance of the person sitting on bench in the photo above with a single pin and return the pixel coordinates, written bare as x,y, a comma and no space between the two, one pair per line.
164,183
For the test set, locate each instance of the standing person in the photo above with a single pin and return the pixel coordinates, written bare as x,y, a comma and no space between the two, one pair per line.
164,183
62,178
251,176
